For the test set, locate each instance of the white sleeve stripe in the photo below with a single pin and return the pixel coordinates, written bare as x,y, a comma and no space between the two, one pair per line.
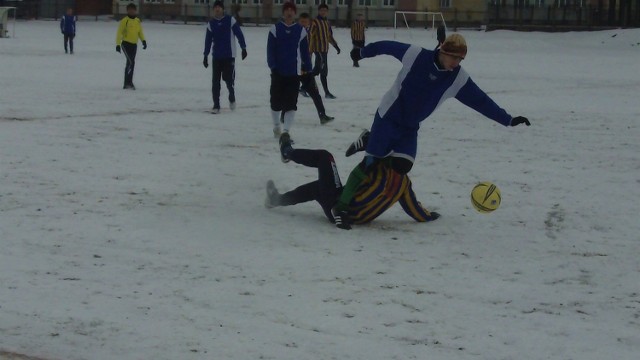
452,91
391,96
273,31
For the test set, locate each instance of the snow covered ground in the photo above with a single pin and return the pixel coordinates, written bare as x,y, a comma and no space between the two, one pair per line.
132,224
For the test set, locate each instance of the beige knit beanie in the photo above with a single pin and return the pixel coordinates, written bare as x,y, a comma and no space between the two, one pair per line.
454,45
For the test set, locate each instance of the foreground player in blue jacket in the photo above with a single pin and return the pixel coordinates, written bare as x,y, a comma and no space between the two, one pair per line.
68,29
222,31
426,80
288,58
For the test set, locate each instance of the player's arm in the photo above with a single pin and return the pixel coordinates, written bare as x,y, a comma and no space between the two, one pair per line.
235,27
472,96
392,48
412,206
304,52
332,40
141,32
208,39
120,32
62,24
271,48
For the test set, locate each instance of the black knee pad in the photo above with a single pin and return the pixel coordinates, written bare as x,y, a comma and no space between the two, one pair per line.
401,165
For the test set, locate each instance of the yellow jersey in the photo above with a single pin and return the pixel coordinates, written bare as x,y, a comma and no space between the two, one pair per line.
129,30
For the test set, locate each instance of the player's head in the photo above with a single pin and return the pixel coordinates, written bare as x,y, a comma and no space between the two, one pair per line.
360,17
132,9
452,51
304,19
289,11
323,9
69,11
218,8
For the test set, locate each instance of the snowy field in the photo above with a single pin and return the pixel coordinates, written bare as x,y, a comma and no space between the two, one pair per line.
132,224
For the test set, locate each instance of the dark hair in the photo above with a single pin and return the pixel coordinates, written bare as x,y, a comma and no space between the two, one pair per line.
304,15
323,6
132,6
218,3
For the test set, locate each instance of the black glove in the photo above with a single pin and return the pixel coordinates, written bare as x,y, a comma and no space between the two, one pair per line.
205,62
338,49
244,54
144,45
355,54
118,48
520,120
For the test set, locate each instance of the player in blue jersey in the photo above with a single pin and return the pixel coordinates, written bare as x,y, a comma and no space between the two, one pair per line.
382,188
220,42
427,79
288,58
68,29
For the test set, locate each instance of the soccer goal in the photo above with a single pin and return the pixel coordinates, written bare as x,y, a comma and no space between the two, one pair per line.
4,21
434,19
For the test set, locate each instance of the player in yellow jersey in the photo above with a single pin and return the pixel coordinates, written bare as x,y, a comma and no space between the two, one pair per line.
129,32
379,192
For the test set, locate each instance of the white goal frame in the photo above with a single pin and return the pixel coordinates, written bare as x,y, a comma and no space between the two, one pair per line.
433,15
5,19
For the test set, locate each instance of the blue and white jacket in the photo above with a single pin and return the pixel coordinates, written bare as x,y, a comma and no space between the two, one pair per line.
288,49
68,24
221,36
421,87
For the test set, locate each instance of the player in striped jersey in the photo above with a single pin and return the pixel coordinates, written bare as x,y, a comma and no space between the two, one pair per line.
357,35
321,36
382,188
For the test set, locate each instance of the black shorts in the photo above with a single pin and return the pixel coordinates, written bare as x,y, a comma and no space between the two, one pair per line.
284,92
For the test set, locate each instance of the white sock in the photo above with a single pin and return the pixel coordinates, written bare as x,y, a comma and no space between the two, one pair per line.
275,116
289,116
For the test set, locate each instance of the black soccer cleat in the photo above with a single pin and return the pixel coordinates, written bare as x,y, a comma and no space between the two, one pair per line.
360,144
285,147
273,197
324,119
341,219
434,216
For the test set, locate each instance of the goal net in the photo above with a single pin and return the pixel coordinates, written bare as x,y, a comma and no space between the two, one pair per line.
402,20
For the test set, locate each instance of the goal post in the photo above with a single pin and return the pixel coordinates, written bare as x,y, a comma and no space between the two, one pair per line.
5,19
431,18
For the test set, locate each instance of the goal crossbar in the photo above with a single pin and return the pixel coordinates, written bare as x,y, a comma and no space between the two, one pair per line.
433,15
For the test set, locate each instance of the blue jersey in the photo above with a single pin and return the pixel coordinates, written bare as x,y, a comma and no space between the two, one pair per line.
68,24
221,38
288,49
421,87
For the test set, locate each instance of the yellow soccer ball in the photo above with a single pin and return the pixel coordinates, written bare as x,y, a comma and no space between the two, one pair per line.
485,197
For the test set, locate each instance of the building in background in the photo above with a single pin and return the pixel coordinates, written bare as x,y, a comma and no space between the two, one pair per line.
535,14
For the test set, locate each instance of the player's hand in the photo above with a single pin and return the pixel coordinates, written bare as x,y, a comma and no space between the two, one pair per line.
144,45
205,62
118,48
244,54
355,54
338,49
520,120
